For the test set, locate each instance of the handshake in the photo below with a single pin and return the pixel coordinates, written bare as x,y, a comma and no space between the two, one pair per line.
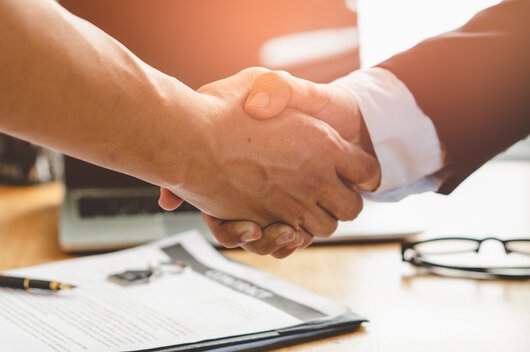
277,158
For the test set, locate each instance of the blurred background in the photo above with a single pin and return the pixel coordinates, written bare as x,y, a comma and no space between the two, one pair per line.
199,41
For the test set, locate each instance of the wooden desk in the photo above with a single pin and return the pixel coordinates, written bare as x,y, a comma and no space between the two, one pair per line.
423,313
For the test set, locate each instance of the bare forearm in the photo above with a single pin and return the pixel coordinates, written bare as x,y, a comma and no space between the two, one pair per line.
67,85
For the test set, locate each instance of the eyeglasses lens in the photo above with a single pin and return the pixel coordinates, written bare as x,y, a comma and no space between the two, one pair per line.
446,246
519,246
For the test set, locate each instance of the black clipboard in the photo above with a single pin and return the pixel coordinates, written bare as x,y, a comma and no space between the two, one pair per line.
316,325
265,341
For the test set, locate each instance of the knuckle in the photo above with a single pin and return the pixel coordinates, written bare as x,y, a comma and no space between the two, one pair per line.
325,229
254,70
294,216
315,180
272,76
331,143
319,184
282,73
301,219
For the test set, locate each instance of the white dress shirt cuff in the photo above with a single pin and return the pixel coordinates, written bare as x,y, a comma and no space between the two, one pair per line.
404,138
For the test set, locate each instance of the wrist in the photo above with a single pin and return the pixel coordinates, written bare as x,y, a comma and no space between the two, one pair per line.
179,136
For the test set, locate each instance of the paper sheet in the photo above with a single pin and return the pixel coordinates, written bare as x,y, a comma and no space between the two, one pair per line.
214,298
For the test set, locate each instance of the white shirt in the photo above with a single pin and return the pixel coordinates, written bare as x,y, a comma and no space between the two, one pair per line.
404,138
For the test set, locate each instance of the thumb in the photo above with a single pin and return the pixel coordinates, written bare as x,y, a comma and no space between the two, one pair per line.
269,96
168,200
274,91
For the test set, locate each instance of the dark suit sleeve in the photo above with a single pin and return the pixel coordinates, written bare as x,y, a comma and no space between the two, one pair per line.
474,83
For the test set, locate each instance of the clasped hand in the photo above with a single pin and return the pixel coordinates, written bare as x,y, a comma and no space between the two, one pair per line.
281,162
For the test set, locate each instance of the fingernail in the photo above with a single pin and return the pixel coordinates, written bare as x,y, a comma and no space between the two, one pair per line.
285,237
297,243
249,236
260,100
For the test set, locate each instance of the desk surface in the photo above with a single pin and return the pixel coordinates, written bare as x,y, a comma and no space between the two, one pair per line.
407,313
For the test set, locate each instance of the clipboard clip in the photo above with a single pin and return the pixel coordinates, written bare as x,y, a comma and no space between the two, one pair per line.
154,270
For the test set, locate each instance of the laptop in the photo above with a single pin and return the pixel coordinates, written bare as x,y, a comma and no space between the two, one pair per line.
106,210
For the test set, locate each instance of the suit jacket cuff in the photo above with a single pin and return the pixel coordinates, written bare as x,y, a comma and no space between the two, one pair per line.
403,137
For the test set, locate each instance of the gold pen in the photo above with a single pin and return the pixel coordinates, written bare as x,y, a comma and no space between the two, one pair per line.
26,283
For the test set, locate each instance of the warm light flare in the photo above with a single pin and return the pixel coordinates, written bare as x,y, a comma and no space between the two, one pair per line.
387,27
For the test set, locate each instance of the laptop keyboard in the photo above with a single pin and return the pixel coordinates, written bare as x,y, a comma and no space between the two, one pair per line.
130,205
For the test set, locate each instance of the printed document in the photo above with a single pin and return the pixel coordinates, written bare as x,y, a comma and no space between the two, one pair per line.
196,295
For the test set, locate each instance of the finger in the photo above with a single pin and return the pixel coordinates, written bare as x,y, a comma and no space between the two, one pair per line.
341,201
269,95
305,240
358,167
319,222
232,234
283,252
273,91
168,200
274,237
308,240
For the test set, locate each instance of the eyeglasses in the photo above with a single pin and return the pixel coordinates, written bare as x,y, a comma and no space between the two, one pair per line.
440,255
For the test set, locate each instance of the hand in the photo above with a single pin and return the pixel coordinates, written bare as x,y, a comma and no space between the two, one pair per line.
267,172
272,93
331,104
275,91
279,240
